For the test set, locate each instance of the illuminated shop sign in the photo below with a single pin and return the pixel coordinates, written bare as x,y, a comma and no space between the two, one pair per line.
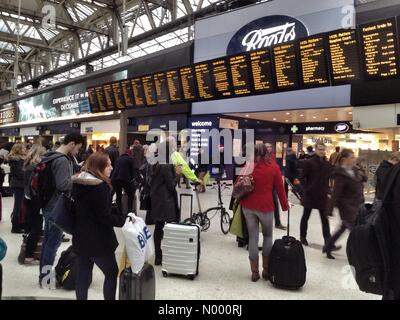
8,115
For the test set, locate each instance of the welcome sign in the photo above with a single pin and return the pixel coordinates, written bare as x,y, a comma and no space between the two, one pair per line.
266,32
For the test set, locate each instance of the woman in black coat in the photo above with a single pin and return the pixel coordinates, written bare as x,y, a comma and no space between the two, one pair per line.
164,198
94,239
347,196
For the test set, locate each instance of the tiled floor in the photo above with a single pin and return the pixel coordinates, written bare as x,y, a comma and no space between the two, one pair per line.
224,268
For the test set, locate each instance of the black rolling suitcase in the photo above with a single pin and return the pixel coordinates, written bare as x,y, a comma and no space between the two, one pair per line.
140,286
287,264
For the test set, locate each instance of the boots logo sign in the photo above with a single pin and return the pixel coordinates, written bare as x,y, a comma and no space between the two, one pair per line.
266,32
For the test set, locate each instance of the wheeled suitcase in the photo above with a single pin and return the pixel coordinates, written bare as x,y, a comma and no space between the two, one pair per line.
181,250
141,286
287,263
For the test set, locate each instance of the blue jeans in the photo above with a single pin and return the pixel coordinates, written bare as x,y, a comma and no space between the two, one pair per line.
18,199
52,238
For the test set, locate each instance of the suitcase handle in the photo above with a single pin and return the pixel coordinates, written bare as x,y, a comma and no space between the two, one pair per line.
191,203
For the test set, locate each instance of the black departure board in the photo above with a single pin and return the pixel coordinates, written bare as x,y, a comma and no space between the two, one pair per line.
149,90
343,56
127,93
109,96
261,71
118,97
313,63
160,83
101,99
138,93
204,81
240,73
380,49
94,105
285,66
174,86
188,79
222,78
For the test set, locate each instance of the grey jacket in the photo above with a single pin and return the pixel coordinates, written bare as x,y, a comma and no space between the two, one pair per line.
62,169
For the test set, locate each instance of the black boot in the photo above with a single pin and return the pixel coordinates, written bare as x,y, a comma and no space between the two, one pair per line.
158,259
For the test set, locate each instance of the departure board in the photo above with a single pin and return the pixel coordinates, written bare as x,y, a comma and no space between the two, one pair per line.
204,81
285,63
222,78
160,83
239,69
149,90
94,105
380,49
109,96
313,63
188,79
261,71
101,98
127,93
343,56
118,97
138,93
174,86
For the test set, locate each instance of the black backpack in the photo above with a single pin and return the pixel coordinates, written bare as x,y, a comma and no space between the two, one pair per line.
42,184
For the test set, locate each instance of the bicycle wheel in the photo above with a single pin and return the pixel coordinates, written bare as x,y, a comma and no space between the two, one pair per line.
191,220
206,223
225,222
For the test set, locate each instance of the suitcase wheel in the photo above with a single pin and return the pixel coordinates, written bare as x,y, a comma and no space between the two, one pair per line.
191,277
165,274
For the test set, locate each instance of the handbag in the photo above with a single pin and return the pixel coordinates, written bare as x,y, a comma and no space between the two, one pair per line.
63,214
243,186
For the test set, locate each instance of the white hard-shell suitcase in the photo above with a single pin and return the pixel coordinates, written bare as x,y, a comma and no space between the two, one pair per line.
181,250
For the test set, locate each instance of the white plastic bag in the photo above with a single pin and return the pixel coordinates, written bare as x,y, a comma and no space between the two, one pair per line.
138,242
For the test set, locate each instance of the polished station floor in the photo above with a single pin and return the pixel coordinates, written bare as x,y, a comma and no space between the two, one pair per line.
224,268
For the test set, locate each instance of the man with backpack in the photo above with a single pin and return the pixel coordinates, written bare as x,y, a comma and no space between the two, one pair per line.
52,177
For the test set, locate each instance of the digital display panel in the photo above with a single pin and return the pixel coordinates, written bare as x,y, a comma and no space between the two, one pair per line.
222,78
149,90
118,96
204,81
101,98
161,85
261,69
109,96
94,104
188,79
240,73
285,66
174,86
138,93
127,93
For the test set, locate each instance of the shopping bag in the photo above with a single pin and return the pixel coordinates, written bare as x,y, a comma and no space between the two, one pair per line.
236,227
138,242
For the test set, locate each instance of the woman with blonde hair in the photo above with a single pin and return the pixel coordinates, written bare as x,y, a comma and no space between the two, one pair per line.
16,160
34,218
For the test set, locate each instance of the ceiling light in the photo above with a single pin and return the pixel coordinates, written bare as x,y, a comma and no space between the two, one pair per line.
314,117
247,115
274,119
286,120
350,112
302,115
288,113
326,119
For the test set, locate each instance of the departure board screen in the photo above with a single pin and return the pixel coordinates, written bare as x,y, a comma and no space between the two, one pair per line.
239,68
101,99
160,83
285,63
380,49
109,96
127,93
174,86
188,79
222,78
204,81
314,66
261,70
94,104
149,90
343,56
118,97
138,93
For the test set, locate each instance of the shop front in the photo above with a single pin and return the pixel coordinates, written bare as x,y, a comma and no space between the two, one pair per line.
98,133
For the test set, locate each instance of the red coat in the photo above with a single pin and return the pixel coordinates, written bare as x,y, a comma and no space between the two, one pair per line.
266,176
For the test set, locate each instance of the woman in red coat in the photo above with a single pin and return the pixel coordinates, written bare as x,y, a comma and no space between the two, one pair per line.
258,207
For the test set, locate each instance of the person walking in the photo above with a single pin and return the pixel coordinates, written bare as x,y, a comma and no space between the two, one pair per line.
61,170
381,173
347,196
112,151
16,160
334,158
315,175
258,207
34,227
93,239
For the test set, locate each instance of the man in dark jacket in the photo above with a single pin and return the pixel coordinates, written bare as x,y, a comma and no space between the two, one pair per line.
112,151
381,172
315,181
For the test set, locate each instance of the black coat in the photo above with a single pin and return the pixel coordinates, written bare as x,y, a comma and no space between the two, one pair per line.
348,194
16,172
291,167
380,175
314,178
113,153
94,234
124,169
164,198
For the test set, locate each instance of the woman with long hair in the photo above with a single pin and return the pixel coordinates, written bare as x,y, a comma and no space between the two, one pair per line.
94,240
347,196
34,218
258,206
16,159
